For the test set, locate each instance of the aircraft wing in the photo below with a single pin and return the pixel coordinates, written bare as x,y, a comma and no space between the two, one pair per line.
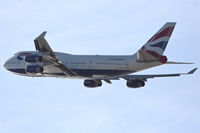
43,47
41,44
145,77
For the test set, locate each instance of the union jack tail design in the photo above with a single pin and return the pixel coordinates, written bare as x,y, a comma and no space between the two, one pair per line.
155,46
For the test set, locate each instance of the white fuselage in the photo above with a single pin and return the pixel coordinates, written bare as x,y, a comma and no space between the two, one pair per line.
86,66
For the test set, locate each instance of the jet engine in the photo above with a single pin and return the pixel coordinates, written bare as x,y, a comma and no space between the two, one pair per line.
135,83
34,69
33,58
92,83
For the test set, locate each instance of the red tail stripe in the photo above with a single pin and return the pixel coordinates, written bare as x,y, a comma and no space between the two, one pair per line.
153,53
165,32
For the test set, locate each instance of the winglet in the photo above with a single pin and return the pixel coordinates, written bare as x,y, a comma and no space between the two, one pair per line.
192,71
43,34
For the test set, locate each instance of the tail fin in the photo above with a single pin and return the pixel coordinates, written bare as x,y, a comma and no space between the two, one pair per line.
155,46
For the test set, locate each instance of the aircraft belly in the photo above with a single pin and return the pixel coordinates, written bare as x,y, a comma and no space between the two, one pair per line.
92,72
100,69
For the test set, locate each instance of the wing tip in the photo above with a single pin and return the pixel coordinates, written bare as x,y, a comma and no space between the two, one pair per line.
192,71
42,35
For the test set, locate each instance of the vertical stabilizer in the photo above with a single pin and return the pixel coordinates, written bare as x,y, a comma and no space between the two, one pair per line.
155,46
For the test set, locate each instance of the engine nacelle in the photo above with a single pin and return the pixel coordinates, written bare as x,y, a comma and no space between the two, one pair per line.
33,58
34,69
92,83
135,83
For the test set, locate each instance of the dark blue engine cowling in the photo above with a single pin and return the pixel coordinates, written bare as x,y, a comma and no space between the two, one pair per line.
135,83
92,83
33,58
34,69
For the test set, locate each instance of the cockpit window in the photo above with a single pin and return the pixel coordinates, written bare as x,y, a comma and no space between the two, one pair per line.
16,54
21,55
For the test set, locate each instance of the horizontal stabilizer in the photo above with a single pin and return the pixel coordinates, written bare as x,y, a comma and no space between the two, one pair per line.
172,62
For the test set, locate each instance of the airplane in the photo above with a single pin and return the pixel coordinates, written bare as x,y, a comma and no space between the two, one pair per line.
94,69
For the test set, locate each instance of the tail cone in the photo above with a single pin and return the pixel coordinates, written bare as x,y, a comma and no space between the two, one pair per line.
163,59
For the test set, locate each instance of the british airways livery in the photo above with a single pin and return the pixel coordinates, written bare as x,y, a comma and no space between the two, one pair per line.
94,69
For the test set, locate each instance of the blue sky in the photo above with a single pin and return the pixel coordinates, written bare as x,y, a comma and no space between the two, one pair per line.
100,27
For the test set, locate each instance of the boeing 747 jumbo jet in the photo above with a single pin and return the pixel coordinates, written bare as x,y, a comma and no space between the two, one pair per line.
94,69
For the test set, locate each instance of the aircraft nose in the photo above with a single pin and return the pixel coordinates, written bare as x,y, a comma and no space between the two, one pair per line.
5,65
